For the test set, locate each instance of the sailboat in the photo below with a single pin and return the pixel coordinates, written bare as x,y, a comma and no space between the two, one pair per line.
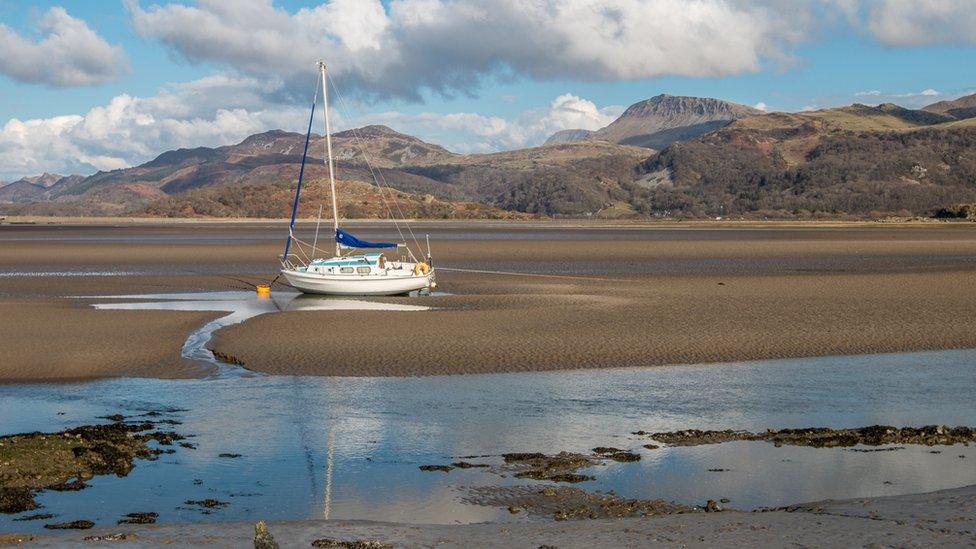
352,270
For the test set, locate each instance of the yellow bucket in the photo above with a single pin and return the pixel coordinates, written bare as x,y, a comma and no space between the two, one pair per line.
263,289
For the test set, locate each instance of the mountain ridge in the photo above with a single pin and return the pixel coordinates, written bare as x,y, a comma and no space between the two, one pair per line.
960,109
856,160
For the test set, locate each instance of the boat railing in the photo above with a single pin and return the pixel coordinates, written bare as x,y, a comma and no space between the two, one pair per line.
286,261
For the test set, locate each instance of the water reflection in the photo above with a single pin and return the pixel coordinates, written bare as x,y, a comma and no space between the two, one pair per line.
349,448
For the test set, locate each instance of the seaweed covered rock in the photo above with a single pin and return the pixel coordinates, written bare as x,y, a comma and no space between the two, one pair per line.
64,461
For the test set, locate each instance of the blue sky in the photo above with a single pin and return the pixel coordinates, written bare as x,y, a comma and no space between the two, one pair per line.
187,74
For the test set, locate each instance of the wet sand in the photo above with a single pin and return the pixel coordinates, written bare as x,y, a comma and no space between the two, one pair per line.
543,325
57,340
936,519
618,296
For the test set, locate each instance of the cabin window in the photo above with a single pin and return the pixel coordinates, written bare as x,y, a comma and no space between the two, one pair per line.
346,270
362,270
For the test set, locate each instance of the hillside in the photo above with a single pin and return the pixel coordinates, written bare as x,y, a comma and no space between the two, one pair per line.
35,188
357,200
575,179
962,108
857,160
259,162
661,120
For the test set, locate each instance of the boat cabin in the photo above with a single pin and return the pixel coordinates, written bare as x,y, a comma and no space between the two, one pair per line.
363,265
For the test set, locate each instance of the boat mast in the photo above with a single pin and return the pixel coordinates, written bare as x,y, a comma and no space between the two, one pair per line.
328,156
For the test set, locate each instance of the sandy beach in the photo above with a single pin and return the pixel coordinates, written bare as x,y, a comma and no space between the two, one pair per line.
593,296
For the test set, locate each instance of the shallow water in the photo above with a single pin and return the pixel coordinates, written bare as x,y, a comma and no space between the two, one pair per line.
241,306
361,440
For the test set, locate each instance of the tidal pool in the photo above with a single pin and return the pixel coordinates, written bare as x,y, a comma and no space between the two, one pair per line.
350,448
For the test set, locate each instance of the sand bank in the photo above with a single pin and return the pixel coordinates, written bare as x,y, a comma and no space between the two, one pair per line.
60,340
536,324
620,296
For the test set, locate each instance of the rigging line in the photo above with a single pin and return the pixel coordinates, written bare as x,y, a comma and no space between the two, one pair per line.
373,171
396,203
318,222
360,142
301,250
386,203
369,165
305,243
301,175
512,273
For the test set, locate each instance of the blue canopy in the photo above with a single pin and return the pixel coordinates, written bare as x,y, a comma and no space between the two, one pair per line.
350,241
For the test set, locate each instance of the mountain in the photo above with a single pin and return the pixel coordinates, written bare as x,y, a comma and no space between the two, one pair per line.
256,177
962,108
35,188
661,120
45,180
384,146
21,191
568,136
857,160
270,156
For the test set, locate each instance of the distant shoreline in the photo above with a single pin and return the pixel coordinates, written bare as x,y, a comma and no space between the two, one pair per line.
557,222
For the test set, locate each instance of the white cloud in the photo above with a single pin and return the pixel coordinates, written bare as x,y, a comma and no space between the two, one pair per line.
907,99
761,106
471,132
921,22
130,130
221,110
928,92
70,53
452,45
915,99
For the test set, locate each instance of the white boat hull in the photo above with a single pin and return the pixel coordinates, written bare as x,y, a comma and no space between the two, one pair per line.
317,283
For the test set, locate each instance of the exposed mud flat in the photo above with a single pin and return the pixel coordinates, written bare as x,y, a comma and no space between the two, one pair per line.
823,437
705,294
564,503
561,467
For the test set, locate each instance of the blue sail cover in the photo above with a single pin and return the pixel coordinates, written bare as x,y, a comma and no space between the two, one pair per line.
350,241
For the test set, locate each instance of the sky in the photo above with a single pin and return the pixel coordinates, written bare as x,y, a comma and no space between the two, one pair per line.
90,85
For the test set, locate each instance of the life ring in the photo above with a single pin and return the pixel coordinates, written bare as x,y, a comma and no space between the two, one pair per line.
421,268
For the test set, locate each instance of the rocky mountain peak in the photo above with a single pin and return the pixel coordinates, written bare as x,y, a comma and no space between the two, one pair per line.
657,122
44,180
676,107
